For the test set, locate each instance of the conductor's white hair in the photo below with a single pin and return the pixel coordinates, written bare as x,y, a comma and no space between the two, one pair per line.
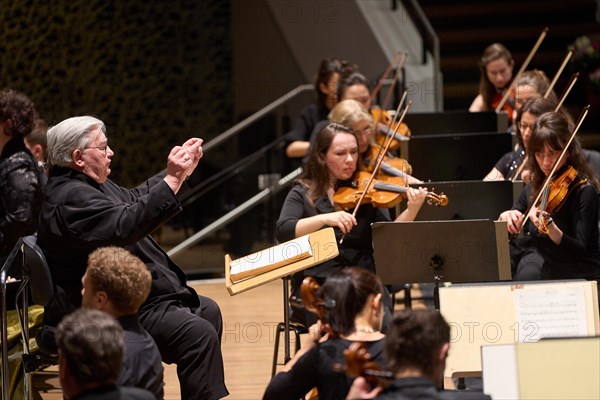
68,135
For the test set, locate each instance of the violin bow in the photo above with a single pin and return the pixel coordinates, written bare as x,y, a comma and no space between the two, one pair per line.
567,89
582,116
387,71
525,64
380,160
560,70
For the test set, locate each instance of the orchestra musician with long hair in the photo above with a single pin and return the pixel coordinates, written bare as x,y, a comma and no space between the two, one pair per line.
351,300
496,67
309,206
570,247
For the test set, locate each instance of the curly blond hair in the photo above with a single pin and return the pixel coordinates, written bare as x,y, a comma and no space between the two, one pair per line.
121,275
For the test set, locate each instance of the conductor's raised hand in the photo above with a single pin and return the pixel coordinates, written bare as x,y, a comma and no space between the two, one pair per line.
194,149
179,163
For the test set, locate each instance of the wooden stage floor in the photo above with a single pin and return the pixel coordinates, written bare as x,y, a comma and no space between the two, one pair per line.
250,319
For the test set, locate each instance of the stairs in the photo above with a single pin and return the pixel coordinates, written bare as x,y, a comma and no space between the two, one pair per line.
466,27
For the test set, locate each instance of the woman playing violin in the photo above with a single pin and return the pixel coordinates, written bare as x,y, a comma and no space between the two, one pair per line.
510,165
496,66
570,248
352,311
325,83
309,206
352,114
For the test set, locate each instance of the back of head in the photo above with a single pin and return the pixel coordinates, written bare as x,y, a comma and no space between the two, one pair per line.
122,276
19,110
90,342
38,136
68,135
346,292
415,339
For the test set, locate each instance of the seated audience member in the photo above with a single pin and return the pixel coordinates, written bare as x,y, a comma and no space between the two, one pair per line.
37,143
415,349
353,311
90,353
84,210
117,283
21,182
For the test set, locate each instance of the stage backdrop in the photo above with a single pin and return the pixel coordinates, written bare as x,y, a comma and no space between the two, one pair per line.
156,72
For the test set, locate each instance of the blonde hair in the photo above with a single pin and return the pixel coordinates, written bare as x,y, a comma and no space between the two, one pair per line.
348,113
121,275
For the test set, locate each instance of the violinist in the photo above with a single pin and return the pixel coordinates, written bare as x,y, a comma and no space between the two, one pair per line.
415,349
496,67
326,92
353,115
309,207
352,311
510,166
570,248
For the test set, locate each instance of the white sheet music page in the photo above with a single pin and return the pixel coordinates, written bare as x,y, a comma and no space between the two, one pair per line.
545,312
271,258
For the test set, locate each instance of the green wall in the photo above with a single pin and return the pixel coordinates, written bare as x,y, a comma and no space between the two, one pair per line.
156,72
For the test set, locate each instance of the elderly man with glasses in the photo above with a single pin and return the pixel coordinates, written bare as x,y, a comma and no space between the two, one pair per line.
84,210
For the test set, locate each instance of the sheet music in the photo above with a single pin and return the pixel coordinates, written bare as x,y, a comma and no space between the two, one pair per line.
544,312
271,258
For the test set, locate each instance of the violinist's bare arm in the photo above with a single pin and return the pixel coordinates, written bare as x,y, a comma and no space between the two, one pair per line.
297,149
494,175
415,199
478,104
514,220
341,219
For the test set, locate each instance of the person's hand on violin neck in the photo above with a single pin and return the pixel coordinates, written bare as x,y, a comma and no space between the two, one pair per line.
546,223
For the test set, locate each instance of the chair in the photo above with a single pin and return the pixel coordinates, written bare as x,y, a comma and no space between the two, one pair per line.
286,327
35,285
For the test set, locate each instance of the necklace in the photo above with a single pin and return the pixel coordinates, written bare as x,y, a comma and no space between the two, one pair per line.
365,329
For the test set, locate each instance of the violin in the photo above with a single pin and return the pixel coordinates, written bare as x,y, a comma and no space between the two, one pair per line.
382,194
316,304
508,105
391,166
548,184
384,129
556,193
358,363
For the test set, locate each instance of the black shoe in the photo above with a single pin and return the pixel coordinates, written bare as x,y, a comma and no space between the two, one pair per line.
38,360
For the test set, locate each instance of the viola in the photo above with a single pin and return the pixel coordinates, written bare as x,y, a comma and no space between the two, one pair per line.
508,105
384,128
554,195
315,303
382,194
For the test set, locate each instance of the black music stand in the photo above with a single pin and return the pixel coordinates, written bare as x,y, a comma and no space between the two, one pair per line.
441,251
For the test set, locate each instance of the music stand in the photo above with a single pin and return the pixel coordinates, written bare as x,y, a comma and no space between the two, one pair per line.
324,246
441,251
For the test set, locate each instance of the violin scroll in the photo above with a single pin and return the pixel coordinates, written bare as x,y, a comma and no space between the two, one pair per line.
358,363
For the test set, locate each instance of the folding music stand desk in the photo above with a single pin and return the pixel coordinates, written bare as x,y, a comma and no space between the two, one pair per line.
324,248
441,251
